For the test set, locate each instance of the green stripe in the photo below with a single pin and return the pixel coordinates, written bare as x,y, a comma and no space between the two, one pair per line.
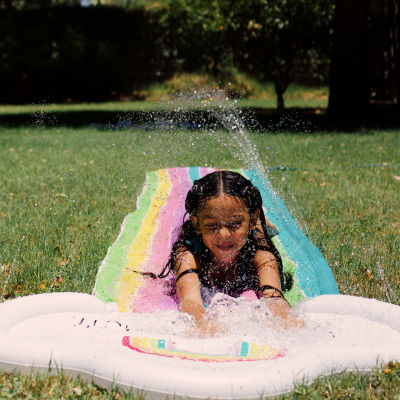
109,274
295,294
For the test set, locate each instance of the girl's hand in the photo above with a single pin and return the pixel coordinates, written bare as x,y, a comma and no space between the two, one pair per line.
281,309
206,327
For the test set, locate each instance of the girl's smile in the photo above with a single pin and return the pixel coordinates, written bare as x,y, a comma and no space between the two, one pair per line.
224,224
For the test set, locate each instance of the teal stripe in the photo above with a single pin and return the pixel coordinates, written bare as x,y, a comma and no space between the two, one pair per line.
315,276
194,173
244,349
295,294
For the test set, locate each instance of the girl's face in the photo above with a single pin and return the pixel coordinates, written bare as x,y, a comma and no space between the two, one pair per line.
224,224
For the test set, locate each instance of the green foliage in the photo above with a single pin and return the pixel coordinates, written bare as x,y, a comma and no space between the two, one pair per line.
278,40
66,53
31,4
53,51
196,38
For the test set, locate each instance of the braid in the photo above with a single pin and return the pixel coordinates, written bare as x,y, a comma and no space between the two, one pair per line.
181,245
256,203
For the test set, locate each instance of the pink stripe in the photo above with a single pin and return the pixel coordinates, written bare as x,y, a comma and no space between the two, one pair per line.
161,239
150,295
184,186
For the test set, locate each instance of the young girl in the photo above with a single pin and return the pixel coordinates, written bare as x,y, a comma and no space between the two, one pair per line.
224,247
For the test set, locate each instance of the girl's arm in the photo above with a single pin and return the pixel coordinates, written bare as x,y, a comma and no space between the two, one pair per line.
268,274
188,288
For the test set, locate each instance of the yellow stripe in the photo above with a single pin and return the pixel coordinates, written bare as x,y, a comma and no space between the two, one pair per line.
139,251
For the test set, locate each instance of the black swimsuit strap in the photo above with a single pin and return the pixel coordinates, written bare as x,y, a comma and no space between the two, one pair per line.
186,271
265,287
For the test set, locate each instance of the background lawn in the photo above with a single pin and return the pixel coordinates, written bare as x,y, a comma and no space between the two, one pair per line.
264,97
64,193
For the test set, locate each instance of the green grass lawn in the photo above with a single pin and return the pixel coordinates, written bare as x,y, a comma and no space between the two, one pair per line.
296,96
64,193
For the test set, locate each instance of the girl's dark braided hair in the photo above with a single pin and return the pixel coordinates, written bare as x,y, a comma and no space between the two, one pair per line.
232,184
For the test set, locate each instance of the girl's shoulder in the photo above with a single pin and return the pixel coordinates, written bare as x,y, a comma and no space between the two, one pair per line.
188,253
184,259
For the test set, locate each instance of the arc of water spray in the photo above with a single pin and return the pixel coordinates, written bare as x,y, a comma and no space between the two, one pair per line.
247,152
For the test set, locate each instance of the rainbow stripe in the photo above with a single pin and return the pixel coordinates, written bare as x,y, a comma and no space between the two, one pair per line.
241,350
147,235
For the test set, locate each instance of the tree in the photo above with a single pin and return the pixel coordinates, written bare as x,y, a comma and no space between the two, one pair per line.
277,39
196,38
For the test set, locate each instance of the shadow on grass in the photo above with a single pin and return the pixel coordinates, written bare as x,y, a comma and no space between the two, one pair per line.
259,119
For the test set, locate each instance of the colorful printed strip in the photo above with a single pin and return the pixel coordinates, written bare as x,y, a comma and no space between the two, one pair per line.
109,274
313,272
243,351
130,279
150,295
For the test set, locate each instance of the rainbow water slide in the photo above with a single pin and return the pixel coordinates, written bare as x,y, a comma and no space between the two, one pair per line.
147,235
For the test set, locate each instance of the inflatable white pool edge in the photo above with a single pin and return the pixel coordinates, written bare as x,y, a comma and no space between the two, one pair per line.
372,309
47,303
106,383
40,304
101,371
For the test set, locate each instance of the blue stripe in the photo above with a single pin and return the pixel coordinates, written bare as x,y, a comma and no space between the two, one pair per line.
194,173
315,276
244,349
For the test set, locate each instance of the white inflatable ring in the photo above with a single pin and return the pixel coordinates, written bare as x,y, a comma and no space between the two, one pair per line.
30,338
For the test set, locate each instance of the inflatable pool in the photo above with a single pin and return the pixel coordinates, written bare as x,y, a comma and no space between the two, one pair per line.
150,352
130,332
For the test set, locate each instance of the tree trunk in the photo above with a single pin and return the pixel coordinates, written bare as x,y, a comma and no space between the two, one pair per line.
349,68
385,53
280,103
281,83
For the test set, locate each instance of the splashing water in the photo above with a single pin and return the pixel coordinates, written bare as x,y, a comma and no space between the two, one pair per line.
211,111
42,118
